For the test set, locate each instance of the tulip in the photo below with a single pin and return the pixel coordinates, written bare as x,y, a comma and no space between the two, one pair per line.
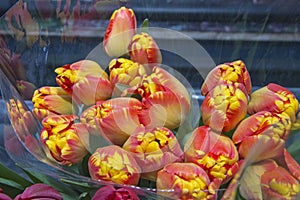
114,164
60,136
26,88
250,182
126,72
144,50
39,191
185,181
215,153
227,73
257,147
224,107
274,98
4,196
279,184
166,102
109,192
153,149
52,101
265,123
85,81
289,163
120,30
116,118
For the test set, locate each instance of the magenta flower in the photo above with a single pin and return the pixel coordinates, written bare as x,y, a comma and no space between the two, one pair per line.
111,193
39,191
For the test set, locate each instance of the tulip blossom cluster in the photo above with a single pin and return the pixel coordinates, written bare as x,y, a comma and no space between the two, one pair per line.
136,107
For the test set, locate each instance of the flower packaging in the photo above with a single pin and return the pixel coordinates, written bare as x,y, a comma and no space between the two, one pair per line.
114,108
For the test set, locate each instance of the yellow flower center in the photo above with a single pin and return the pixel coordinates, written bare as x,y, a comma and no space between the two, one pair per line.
284,189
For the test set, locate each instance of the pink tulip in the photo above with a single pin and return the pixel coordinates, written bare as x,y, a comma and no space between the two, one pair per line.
39,191
111,193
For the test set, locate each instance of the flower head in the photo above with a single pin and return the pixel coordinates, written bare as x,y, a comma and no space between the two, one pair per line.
215,153
39,191
116,118
60,135
227,73
85,81
120,30
153,148
112,193
52,101
144,50
225,106
125,72
279,184
185,181
274,98
114,164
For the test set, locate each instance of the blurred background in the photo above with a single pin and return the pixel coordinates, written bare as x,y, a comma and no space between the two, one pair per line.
5,5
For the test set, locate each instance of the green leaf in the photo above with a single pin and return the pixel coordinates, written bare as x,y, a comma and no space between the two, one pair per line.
294,149
145,26
8,174
11,183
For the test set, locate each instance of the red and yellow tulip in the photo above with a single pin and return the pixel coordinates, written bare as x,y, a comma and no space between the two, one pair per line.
144,50
213,152
116,118
85,81
279,184
125,72
225,106
120,30
265,123
52,101
185,181
166,102
250,181
227,73
60,136
114,164
274,98
153,149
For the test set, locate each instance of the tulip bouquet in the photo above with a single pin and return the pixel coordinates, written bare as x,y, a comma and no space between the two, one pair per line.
131,124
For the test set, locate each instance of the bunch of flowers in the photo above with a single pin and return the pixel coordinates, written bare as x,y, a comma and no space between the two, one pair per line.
124,120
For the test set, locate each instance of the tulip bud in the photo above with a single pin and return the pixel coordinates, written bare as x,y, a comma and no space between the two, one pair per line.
166,102
144,50
39,191
227,73
52,101
60,135
184,181
153,149
224,107
279,184
4,196
215,153
26,88
250,181
114,164
274,98
265,123
126,72
116,118
109,192
120,30
85,81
